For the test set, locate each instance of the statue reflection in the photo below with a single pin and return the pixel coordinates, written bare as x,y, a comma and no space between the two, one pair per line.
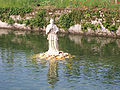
53,72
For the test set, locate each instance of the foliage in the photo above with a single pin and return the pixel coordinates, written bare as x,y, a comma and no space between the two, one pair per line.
19,11
98,26
112,28
89,25
20,21
38,21
106,24
41,19
77,16
66,20
10,21
26,22
3,10
60,3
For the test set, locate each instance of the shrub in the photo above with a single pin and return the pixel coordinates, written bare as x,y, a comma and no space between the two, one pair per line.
10,21
106,24
65,21
112,28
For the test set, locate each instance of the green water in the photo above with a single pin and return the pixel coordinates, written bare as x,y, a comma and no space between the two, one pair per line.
95,67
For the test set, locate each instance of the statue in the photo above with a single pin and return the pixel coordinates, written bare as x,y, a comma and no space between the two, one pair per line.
52,30
53,51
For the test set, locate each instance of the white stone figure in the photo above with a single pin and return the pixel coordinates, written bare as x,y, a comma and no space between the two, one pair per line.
52,30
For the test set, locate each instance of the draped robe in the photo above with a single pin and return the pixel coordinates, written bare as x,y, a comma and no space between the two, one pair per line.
52,30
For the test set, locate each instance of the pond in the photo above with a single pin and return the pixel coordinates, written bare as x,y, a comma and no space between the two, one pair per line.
96,65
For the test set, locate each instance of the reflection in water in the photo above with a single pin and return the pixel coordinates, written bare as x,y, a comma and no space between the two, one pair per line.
101,40
53,72
95,67
7,58
101,46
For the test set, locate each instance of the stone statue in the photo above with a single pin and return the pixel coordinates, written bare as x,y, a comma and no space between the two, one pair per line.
53,52
52,30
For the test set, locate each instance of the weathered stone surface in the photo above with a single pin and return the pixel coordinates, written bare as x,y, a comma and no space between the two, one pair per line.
20,26
89,31
15,17
75,29
4,25
118,31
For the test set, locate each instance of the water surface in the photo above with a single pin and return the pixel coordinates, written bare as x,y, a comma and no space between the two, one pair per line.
95,67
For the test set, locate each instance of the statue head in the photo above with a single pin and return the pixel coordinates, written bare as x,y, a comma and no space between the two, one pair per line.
51,21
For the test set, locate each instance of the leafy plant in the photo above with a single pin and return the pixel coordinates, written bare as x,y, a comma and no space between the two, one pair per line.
106,24
20,21
93,27
38,21
85,26
10,21
98,26
112,28
26,22
65,21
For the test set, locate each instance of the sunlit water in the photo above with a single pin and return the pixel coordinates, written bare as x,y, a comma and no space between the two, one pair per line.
95,67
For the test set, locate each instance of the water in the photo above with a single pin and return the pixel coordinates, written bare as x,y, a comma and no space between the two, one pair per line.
95,67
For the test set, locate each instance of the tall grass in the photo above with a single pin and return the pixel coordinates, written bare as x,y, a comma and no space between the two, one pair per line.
17,3
60,3
86,3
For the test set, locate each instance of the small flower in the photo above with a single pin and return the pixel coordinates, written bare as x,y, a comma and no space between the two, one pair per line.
98,3
118,2
92,1
80,2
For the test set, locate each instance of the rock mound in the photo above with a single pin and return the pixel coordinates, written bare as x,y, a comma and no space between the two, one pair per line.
60,56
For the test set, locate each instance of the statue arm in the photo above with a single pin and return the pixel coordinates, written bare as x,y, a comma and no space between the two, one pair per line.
48,29
56,29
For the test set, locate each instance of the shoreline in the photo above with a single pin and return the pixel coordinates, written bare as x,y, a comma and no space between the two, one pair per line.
81,22
72,30
76,29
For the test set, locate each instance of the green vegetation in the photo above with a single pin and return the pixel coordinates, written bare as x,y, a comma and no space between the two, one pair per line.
5,13
60,3
66,20
89,25
10,21
84,18
82,12
38,21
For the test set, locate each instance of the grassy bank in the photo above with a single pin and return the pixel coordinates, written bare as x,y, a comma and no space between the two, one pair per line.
110,19
36,13
60,3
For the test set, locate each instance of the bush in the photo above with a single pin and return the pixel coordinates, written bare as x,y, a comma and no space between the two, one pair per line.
19,11
38,21
106,24
20,21
10,21
26,22
65,21
112,28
